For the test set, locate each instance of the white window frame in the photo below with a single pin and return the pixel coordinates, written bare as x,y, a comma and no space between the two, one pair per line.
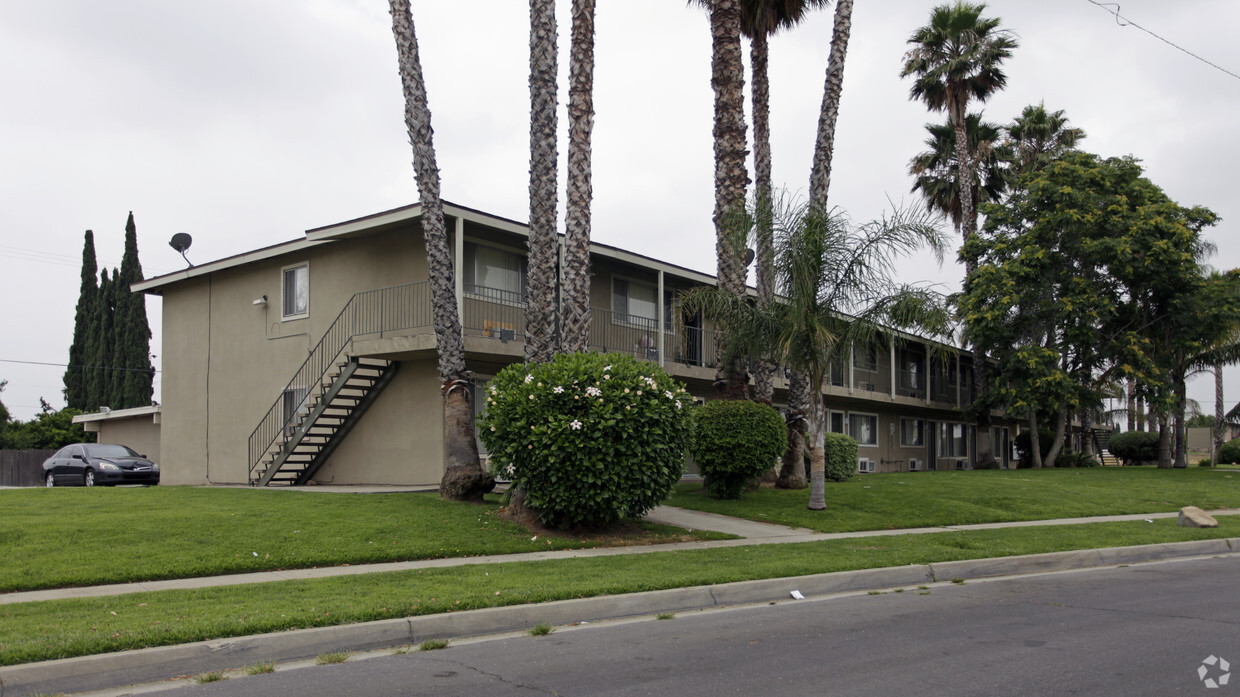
473,273
615,314
921,432
843,421
284,314
849,428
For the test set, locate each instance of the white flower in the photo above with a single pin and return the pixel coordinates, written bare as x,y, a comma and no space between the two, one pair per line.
594,391
575,424
638,392
626,390
540,384
678,405
669,395
557,389
606,368
529,379
492,389
606,377
492,428
531,396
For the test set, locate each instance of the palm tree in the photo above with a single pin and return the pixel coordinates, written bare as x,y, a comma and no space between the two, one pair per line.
731,179
820,172
955,58
463,477
825,268
575,315
540,338
935,172
1039,136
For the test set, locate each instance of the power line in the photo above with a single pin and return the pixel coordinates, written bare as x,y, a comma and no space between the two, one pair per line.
90,367
1124,22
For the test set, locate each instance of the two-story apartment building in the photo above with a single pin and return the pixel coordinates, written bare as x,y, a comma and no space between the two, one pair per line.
315,359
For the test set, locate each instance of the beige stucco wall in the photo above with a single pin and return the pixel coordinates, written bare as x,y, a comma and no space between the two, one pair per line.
227,360
140,433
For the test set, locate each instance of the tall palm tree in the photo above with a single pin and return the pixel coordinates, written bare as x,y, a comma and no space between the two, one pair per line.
463,477
824,145
540,308
935,172
1038,136
575,315
827,269
731,178
954,59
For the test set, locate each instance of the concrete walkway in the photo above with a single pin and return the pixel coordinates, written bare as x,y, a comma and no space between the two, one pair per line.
747,532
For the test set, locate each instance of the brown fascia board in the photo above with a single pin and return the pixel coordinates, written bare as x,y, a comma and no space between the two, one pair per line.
155,285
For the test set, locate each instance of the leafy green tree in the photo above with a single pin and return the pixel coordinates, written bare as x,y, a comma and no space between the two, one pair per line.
48,430
75,375
955,59
132,374
825,268
5,418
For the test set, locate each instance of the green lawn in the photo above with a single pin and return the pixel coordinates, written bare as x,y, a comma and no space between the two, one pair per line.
53,538
924,499
64,628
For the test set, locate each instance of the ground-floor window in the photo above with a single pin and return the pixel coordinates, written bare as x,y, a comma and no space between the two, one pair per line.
835,422
912,432
863,428
953,440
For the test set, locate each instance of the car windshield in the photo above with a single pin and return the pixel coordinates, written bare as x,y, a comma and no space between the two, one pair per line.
109,450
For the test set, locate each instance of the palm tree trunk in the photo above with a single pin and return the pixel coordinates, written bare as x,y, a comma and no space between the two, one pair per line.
463,477
1164,441
818,454
1181,440
820,173
764,370
1219,414
731,179
792,473
575,314
540,337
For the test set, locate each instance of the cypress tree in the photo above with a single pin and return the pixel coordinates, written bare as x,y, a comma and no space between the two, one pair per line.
134,374
99,363
75,374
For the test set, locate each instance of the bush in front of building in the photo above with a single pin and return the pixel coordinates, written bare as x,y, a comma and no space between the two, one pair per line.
841,452
734,442
1229,454
1134,447
589,438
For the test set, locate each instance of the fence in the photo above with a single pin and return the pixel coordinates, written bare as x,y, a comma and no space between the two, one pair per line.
22,467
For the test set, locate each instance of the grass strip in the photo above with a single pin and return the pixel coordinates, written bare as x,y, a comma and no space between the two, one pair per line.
56,538
929,499
63,628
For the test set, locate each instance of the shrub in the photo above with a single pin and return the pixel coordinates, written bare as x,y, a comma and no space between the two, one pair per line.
590,438
1205,462
1075,459
1134,447
1229,454
841,457
735,441
1024,446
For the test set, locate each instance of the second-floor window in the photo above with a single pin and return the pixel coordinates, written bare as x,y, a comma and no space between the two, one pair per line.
866,359
296,303
495,274
634,303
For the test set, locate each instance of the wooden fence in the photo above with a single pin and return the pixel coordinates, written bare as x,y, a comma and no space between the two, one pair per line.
22,467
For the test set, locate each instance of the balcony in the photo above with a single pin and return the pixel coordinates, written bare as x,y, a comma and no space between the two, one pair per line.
911,383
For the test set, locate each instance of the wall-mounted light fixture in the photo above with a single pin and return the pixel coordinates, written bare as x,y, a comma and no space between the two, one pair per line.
261,301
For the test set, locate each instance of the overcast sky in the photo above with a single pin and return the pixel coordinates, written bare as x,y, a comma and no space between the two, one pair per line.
245,123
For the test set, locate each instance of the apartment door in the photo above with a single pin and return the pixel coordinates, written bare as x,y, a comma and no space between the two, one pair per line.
693,339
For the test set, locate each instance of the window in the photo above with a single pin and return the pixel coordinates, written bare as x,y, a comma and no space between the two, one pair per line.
953,440
866,359
863,428
911,434
634,303
494,273
836,422
296,292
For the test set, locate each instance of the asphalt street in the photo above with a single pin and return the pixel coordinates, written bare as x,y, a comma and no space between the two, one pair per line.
1148,629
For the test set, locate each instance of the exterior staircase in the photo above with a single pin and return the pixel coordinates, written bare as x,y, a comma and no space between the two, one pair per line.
323,421
1102,438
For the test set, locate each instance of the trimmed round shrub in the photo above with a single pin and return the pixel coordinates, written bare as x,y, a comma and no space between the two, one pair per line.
1229,454
1134,447
589,438
735,441
841,452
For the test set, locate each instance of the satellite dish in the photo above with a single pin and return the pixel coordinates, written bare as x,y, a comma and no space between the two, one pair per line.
749,255
181,242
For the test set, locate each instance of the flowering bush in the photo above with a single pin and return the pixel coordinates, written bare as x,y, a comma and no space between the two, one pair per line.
590,438
735,441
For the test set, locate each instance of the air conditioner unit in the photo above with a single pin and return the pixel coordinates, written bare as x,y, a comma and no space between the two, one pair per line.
917,465
962,464
865,466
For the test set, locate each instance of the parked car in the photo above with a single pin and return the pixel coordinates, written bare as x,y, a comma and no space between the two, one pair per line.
103,464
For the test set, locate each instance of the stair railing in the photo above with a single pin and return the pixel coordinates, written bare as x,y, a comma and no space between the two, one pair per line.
393,308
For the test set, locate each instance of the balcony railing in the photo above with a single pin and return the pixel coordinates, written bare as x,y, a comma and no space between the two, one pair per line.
911,383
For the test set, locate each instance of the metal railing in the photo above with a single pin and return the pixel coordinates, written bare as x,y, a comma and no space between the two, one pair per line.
871,380
911,383
369,312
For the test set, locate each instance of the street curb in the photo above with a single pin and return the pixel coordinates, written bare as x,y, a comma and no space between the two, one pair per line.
156,664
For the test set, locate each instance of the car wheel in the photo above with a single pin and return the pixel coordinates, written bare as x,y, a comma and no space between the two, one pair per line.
88,479
51,480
